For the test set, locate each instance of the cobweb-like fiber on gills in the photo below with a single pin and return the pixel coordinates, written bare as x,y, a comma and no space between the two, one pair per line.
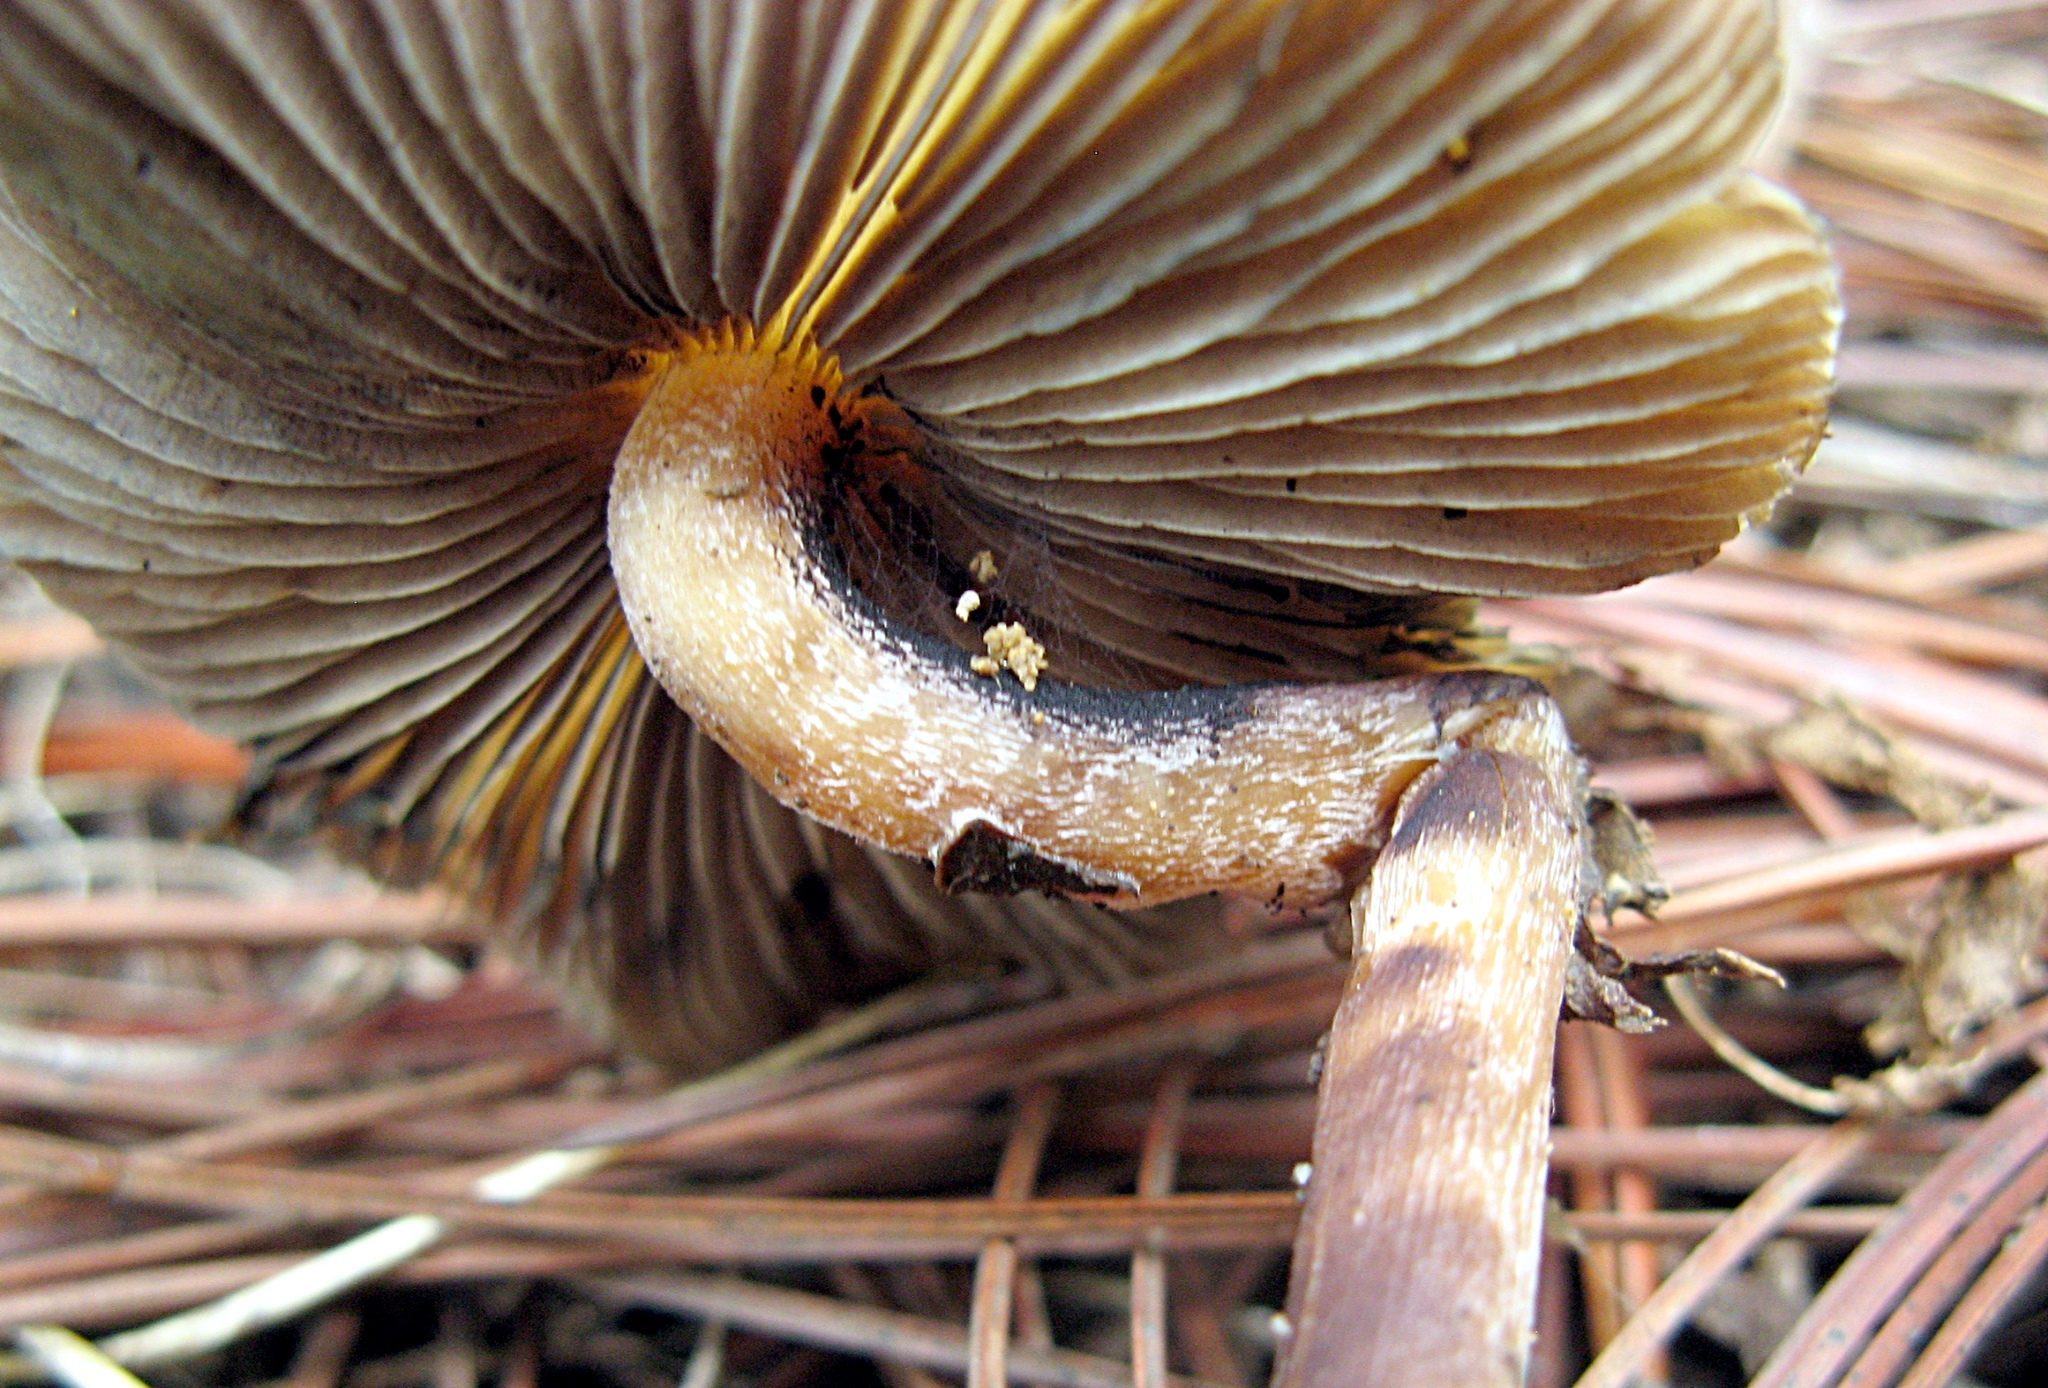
1235,329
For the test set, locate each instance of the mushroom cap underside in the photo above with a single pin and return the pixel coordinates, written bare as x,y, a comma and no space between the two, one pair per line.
1232,328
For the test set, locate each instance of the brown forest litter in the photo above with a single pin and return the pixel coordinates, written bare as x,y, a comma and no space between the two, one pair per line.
213,1065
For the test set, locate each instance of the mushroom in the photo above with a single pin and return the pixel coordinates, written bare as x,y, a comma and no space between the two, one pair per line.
425,394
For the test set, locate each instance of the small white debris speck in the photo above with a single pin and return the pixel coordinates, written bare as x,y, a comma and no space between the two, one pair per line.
970,602
1283,1328
1302,1172
983,567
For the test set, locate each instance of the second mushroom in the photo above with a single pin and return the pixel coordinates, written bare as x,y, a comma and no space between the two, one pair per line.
562,439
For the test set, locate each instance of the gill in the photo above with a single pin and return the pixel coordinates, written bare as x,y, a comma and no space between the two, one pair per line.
502,810
962,91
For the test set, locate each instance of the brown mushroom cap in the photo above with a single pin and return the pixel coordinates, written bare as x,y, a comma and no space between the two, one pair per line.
1243,327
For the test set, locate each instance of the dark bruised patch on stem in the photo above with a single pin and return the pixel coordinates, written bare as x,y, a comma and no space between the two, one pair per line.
1466,795
984,857
1417,969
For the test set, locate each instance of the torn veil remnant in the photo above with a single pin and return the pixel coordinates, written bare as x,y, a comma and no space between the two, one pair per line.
331,334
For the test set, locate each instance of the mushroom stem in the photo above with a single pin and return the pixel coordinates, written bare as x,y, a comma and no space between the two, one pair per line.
1417,1258
720,531
1415,1261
